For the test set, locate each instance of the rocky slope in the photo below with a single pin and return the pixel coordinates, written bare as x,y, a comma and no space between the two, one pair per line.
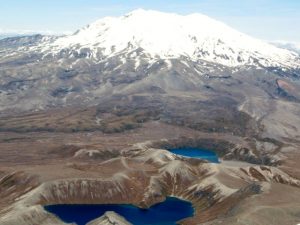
110,218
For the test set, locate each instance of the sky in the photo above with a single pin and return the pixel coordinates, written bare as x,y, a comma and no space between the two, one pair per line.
265,19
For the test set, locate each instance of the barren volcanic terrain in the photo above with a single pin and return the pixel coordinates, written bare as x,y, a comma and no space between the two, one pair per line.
88,118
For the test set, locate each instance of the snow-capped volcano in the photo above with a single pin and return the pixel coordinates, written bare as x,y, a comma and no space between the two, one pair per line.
143,52
168,35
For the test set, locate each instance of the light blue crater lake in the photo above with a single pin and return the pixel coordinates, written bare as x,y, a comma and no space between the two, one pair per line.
196,153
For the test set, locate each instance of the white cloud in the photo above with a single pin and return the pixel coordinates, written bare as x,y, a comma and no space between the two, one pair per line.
293,46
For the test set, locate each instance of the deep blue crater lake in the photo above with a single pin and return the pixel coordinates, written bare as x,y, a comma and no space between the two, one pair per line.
165,213
196,153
